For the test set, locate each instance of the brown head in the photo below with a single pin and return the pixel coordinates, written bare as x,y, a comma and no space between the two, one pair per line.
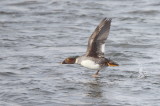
70,60
111,63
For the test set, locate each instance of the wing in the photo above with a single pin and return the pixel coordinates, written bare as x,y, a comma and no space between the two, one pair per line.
96,42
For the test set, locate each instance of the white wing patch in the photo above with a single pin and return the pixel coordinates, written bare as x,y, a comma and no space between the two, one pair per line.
90,64
103,47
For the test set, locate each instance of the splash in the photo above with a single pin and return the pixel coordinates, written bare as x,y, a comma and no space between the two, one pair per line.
142,74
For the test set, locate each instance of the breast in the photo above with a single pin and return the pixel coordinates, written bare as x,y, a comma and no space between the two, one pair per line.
90,64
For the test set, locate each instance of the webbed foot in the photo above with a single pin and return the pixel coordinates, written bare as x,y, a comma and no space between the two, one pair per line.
95,75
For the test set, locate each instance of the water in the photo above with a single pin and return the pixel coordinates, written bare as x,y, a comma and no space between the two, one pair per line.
35,35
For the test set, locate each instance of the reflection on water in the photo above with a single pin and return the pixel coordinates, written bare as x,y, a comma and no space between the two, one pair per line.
94,89
36,35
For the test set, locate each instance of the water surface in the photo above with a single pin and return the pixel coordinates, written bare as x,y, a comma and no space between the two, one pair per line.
35,35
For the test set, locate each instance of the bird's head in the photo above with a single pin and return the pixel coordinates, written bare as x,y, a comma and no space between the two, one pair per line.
111,63
70,60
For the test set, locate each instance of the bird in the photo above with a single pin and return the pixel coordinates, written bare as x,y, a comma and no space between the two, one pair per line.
94,58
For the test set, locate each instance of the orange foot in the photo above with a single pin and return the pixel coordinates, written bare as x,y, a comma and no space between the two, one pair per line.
95,75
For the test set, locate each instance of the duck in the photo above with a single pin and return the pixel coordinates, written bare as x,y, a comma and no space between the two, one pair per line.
94,58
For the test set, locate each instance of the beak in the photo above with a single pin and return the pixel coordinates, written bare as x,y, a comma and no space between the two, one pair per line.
113,64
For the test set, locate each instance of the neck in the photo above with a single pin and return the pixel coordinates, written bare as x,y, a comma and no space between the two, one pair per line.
77,59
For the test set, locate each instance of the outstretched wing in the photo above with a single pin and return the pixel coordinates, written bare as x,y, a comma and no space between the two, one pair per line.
96,42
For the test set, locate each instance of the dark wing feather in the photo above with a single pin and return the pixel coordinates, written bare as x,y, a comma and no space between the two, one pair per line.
97,40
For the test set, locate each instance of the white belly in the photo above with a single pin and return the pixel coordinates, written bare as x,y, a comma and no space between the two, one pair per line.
90,64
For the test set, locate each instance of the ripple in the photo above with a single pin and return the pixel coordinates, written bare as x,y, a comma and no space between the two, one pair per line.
7,74
7,13
145,12
24,3
24,68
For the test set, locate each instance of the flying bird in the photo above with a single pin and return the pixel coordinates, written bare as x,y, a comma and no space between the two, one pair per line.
94,57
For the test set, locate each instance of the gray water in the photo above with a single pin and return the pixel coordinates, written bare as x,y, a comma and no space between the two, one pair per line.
36,35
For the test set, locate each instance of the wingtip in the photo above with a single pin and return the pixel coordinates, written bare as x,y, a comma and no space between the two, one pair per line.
107,19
